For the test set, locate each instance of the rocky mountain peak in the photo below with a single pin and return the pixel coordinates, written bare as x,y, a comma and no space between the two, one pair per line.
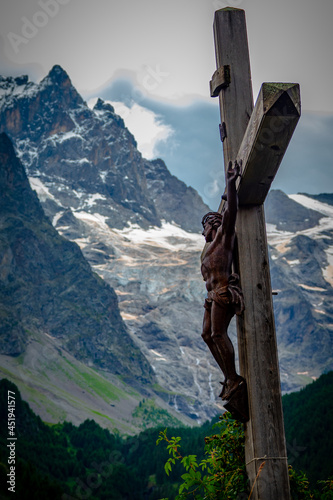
59,88
58,75
103,106
24,103
94,157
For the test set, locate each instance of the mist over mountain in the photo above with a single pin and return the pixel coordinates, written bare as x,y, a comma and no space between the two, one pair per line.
138,226
193,152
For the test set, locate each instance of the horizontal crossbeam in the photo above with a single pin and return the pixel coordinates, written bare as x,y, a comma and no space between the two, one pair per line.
266,139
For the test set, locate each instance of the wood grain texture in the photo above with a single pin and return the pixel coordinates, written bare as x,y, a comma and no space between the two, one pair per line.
264,432
266,139
258,360
220,79
236,100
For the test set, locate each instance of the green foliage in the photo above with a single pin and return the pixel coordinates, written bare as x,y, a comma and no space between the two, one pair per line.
327,489
221,474
308,417
64,461
150,415
86,460
299,485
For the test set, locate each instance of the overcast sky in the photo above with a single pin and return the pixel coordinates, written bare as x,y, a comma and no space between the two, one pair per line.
94,40
166,50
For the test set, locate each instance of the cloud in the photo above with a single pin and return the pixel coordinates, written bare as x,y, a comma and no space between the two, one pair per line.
146,126
307,165
194,153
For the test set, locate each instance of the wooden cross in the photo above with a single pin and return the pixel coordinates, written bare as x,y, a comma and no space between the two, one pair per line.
259,137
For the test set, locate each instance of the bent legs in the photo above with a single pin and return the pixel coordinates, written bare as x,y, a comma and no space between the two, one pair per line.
215,326
207,337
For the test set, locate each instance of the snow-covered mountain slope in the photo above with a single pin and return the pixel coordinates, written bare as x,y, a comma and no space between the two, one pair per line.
301,268
139,228
156,275
88,159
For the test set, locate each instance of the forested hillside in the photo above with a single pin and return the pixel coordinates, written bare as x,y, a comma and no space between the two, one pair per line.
65,462
85,461
308,420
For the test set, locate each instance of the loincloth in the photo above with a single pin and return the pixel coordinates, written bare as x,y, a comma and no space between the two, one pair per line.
231,294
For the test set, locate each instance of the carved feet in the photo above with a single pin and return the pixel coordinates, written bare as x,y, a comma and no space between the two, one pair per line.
235,395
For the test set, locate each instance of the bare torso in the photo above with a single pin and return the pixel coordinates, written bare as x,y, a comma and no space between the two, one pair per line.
216,264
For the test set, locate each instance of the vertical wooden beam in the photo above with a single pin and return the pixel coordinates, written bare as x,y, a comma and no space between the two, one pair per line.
236,100
264,433
258,358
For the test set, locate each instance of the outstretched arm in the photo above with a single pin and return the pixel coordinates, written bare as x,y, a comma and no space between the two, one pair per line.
232,199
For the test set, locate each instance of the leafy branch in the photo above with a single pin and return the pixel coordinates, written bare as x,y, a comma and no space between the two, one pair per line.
221,474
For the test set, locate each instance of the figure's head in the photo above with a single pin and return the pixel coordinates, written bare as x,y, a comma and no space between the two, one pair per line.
211,222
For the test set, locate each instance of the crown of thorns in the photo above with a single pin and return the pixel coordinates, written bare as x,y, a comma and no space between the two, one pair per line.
214,219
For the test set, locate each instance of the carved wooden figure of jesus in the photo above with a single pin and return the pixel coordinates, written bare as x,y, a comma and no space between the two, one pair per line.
224,295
